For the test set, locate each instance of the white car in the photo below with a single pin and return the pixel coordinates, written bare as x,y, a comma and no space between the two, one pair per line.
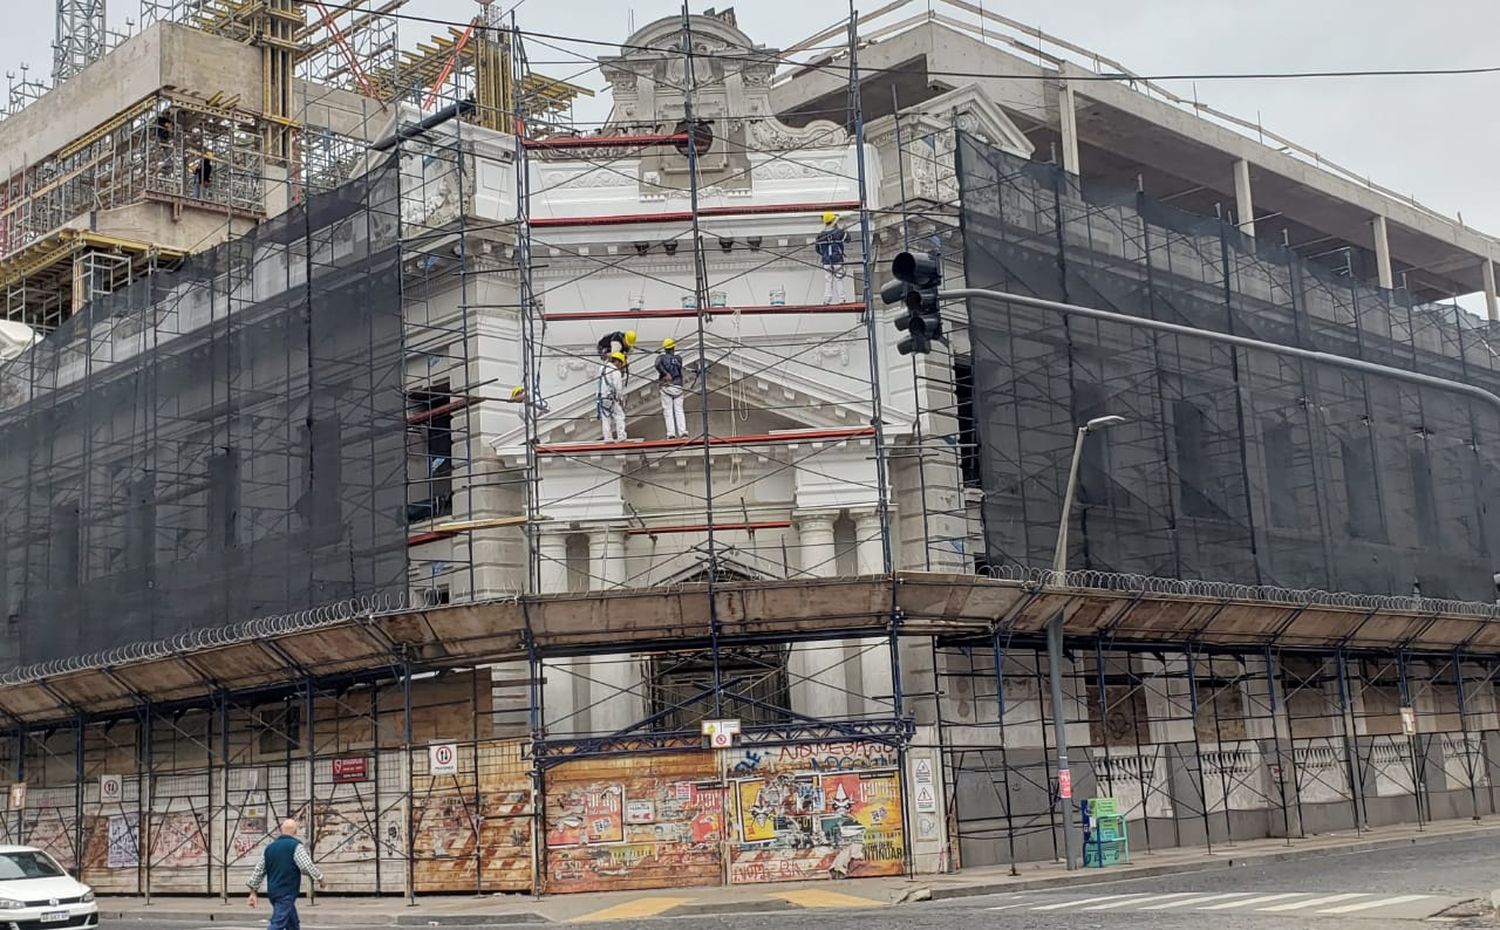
38,894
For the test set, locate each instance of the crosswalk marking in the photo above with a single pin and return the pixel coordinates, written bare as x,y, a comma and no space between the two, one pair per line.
1263,899
816,897
1092,899
1379,902
634,910
1200,899
1149,897
1314,902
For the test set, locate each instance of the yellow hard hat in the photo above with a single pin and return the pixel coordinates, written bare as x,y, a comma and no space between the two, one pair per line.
617,357
829,218
629,338
517,391
669,343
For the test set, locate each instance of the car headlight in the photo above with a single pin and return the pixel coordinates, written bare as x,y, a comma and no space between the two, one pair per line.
88,896
9,904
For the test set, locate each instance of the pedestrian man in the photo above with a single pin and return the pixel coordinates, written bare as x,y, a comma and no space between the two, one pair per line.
669,376
282,865
830,245
610,400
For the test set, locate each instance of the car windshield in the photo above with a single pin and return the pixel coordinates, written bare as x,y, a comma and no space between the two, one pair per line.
18,865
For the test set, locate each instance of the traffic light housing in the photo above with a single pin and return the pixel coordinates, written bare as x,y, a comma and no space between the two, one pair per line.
917,279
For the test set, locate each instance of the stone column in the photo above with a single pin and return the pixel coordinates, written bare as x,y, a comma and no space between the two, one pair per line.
1382,253
560,687
873,692
552,550
818,671
614,680
1244,202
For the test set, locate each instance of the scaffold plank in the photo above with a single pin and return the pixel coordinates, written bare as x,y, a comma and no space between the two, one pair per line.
685,216
662,445
669,313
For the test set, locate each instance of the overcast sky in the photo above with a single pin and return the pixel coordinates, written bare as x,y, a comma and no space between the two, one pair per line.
1432,137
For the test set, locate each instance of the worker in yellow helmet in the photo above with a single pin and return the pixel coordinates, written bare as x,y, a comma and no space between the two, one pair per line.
669,376
610,400
519,395
620,341
830,245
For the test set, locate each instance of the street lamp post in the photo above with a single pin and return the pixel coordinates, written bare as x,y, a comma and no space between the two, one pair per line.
1055,636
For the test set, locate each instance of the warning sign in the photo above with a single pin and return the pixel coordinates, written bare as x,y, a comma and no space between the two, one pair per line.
926,800
721,733
18,796
1065,784
442,759
111,789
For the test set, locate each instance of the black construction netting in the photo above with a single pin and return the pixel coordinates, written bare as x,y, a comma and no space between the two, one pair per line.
213,444
1236,465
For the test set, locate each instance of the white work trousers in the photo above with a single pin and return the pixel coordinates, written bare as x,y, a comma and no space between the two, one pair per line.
672,413
833,284
612,421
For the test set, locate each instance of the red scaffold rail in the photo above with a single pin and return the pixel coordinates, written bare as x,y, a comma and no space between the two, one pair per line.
664,314
685,216
705,527
603,142
663,445
423,416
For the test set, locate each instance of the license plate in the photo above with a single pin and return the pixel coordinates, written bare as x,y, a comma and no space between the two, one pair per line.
50,917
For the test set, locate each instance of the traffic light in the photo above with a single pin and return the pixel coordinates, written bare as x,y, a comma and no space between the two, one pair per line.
918,278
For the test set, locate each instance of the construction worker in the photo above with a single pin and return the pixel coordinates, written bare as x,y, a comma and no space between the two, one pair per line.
621,342
519,395
611,397
669,376
830,245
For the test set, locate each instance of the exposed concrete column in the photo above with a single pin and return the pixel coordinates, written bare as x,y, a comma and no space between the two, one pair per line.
872,694
614,680
1382,253
819,672
1244,202
1491,304
1067,120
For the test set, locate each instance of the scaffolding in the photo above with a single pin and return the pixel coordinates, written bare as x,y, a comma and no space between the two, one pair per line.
544,625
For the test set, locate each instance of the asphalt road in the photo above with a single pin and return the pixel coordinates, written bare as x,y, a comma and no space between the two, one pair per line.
1397,889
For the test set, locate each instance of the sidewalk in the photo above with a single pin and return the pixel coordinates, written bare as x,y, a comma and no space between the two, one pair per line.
520,910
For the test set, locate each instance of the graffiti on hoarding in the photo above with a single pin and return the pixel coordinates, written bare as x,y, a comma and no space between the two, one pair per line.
792,826
813,757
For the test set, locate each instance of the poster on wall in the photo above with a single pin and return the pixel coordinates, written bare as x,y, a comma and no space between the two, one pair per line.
640,812
121,849
795,826
590,816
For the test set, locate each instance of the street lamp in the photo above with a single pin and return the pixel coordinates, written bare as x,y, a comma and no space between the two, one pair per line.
1055,635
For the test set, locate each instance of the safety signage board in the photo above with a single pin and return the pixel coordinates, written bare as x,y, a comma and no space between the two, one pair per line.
1064,784
721,733
442,759
18,796
111,789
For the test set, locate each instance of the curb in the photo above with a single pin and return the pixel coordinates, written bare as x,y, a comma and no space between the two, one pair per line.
524,919
1189,868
